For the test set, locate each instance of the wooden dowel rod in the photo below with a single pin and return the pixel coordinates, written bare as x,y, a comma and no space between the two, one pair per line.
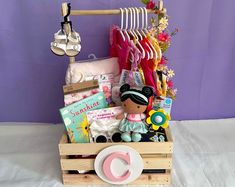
105,12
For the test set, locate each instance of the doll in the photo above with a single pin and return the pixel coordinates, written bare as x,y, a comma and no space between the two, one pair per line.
134,103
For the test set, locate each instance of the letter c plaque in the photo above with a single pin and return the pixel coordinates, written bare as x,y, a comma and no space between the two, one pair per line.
118,164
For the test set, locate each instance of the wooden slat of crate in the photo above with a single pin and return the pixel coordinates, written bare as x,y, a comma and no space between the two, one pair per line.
151,152
168,135
88,164
85,179
95,148
64,139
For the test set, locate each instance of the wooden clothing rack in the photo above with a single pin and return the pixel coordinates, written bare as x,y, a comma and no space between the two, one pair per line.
64,10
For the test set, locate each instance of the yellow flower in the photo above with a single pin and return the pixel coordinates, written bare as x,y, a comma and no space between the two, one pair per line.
163,23
158,118
83,128
171,73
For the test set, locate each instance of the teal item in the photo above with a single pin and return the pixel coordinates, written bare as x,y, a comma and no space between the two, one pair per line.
158,115
136,137
130,126
126,137
75,119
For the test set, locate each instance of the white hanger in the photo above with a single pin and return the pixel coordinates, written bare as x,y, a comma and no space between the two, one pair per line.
142,21
137,41
125,30
138,23
146,26
121,27
143,52
146,20
152,49
141,29
131,23
151,53
128,36
137,20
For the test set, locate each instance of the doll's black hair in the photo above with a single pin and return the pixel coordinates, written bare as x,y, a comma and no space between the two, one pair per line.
146,91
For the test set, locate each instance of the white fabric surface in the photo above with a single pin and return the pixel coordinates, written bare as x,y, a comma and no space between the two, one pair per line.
80,71
204,154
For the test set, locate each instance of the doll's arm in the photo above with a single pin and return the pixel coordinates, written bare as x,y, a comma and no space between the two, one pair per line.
142,116
120,116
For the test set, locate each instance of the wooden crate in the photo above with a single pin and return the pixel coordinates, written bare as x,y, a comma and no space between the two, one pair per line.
156,156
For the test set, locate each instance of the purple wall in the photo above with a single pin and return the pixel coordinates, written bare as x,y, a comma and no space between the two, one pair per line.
31,77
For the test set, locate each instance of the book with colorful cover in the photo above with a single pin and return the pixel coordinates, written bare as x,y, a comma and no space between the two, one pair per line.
75,119
103,114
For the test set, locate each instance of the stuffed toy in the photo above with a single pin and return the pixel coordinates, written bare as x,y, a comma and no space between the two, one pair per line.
134,104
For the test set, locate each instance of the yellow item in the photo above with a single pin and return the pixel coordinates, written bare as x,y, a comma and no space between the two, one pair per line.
159,85
156,46
141,73
164,85
158,118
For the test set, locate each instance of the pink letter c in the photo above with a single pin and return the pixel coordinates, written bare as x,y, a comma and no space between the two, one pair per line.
107,166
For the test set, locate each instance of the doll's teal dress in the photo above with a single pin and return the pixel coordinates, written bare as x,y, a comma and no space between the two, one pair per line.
133,123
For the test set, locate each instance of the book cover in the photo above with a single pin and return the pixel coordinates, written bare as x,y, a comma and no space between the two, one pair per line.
75,119
104,114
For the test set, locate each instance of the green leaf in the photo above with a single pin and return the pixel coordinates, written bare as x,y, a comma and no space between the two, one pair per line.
145,1
160,16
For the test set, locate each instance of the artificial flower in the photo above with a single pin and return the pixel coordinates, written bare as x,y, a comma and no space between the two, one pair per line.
162,68
171,73
163,23
175,32
163,37
158,30
171,93
174,91
145,1
152,21
158,118
163,61
150,5
170,84
164,45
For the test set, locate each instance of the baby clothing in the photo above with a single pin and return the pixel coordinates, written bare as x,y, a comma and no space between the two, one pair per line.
81,71
147,67
120,48
130,56
74,97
